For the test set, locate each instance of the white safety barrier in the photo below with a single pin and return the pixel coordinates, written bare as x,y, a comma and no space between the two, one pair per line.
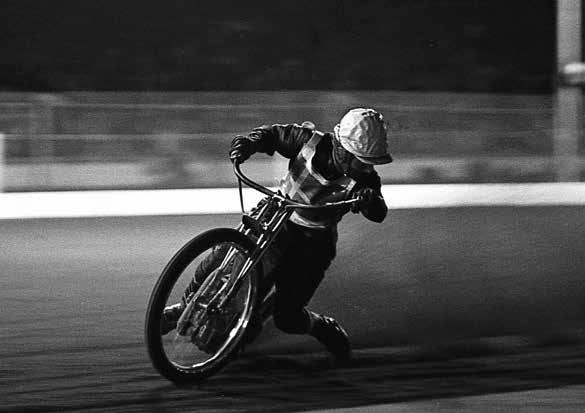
226,201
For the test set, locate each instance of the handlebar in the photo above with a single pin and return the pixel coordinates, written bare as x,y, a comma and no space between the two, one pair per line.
289,202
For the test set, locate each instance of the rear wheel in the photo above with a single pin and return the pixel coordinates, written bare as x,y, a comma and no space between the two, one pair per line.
206,337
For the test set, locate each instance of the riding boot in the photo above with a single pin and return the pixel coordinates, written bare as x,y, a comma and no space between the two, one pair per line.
172,313
331,335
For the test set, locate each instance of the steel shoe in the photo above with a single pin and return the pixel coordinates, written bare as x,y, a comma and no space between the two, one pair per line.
332,336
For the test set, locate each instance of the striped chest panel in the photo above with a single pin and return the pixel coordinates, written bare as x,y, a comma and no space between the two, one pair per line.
304,184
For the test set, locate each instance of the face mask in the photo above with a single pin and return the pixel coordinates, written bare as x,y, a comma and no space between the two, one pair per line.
341,158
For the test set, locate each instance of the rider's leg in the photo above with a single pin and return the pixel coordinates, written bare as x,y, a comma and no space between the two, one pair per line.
291,316
297,279
172,313
293,292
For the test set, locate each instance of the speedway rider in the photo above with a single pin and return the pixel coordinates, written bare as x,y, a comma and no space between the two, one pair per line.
323,167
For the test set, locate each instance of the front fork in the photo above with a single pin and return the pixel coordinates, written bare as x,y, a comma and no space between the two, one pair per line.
267,236
192,317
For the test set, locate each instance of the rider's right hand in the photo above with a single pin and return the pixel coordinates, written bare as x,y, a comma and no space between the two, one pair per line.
365,197
241,149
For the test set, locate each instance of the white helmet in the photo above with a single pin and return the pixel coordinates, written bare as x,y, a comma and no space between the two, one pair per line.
362,132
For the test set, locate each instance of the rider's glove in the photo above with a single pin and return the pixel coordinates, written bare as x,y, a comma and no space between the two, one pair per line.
365,197
241,149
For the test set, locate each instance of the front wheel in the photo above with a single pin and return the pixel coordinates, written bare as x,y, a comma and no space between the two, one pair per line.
203,337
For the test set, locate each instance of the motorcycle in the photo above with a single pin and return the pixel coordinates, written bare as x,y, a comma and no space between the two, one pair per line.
215,284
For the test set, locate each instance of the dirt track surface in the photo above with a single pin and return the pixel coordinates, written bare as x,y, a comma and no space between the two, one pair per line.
73,296
120,379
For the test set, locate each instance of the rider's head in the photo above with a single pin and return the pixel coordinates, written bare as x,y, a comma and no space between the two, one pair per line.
360,141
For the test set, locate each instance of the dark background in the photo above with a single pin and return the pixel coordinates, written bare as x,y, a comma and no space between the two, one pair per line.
454,45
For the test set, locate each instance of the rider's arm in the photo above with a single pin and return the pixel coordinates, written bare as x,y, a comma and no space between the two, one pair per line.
287,140
375,210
